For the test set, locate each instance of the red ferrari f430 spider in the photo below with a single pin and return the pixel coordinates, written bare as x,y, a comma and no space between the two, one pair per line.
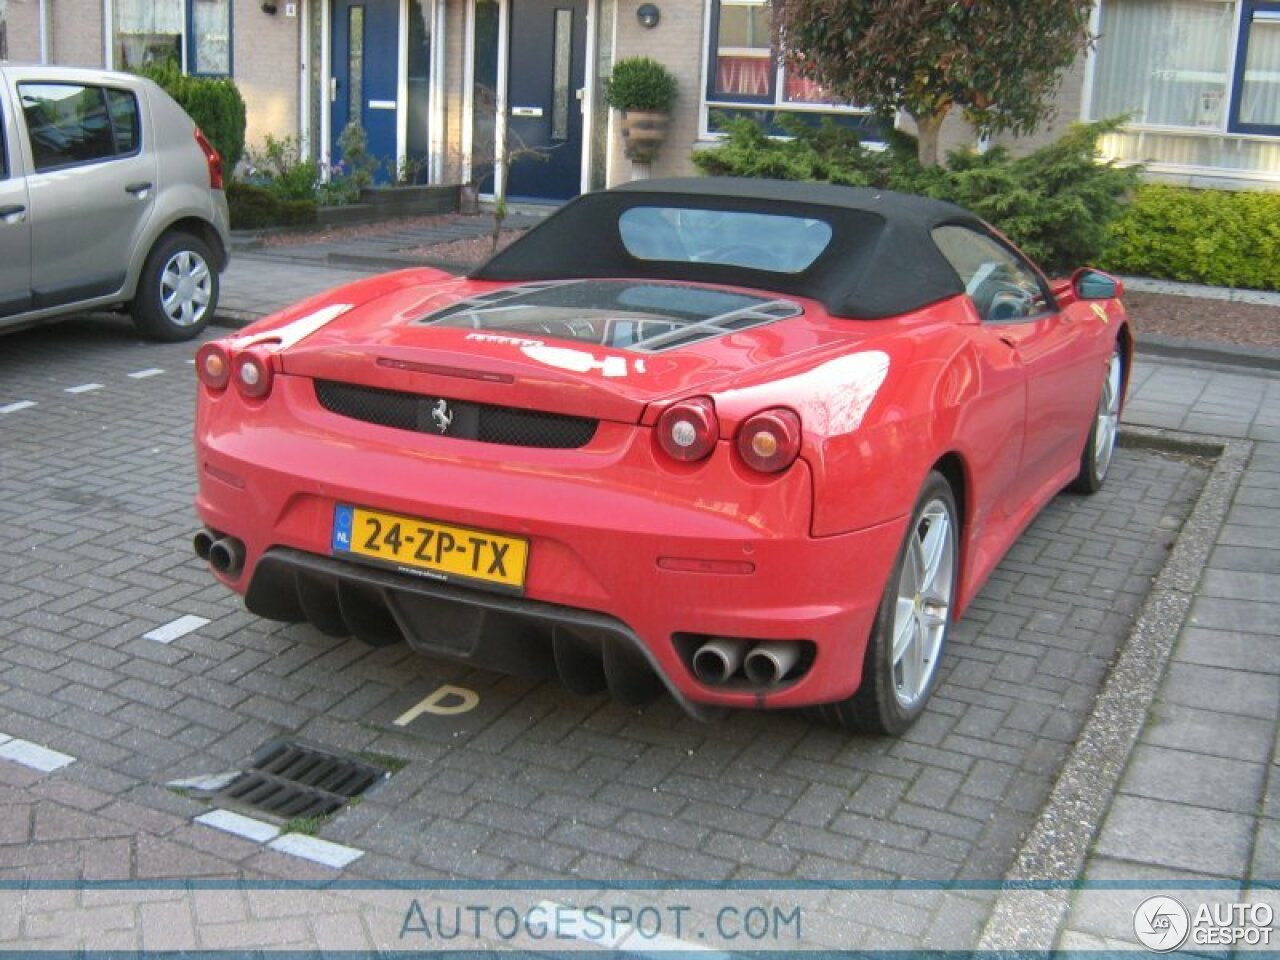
757,443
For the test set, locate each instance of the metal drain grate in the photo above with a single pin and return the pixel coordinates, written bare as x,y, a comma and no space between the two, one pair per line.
288,779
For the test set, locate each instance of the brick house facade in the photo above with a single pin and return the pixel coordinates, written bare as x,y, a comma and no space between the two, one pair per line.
436,82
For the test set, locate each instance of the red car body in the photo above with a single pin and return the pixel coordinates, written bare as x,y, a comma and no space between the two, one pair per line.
634,558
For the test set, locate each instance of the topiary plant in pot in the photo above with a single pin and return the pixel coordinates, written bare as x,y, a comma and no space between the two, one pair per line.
643,89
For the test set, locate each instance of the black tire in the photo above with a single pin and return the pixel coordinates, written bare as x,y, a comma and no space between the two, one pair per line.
1095,459
178,289
877,707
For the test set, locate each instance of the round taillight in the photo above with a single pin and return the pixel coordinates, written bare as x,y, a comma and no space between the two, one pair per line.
769,441
213,366
688,430
251,371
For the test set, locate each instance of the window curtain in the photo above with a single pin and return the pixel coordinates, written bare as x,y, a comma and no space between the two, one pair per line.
211,36
745,66
147,31
1260,92
1165,62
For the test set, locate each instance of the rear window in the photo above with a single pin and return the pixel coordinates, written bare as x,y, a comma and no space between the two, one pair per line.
71,124
756,241
624,314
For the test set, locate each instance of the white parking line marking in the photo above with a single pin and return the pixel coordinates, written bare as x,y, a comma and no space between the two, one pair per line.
20,405
176,628
209,783
84,388
143,374
247,827
316,850
34,756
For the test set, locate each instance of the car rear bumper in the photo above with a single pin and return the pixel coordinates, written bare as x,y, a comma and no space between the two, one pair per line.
631,564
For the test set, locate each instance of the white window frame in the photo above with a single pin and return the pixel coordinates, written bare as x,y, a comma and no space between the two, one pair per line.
777,105
1223,131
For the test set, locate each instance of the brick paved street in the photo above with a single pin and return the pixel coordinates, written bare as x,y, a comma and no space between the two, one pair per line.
537,784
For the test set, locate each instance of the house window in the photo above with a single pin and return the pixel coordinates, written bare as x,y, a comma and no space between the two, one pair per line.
196,34
1255,107
745,75
1199,80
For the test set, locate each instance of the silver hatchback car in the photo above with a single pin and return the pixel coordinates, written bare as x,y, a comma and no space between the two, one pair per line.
109,195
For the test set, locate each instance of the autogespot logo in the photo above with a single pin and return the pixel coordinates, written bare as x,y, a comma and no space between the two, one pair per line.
1161,924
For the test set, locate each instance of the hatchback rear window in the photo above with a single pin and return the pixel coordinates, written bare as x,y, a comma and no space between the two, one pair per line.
70,124
757,241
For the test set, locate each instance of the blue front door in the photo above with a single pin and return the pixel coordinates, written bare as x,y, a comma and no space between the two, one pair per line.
366,76
546,76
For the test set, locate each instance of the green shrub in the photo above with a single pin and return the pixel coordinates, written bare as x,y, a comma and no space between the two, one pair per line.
254,207
358,165
1201,236
213,103
1055,203
640,83
281,169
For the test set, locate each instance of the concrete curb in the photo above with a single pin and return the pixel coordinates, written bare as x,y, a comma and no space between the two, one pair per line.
1056,848
1203,351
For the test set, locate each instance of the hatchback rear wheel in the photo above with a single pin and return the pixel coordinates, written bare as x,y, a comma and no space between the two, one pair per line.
178,290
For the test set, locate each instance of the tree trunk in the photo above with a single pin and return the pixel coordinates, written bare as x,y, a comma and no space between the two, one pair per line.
927,129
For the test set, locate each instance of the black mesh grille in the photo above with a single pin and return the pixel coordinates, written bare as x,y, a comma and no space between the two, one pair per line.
442,416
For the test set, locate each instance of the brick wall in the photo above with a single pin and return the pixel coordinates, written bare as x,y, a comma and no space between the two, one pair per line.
1068,107
677,43
75,34
267,55
22,30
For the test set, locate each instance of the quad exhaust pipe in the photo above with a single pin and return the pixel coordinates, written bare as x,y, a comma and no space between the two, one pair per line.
769,663
224,554
718,660
764,664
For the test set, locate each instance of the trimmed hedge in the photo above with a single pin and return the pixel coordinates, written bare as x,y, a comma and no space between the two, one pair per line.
1055,203
213,103
254,207
1217,237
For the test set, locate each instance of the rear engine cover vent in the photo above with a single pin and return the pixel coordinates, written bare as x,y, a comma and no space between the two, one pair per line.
289,779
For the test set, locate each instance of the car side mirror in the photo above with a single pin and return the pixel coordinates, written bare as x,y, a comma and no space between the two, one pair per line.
1090,284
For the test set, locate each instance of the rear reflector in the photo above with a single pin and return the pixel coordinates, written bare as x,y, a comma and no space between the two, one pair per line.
696,565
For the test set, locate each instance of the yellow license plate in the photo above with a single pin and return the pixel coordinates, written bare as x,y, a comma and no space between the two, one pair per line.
437,550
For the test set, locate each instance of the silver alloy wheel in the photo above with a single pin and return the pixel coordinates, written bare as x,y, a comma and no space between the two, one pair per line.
186,286
1104,434
924,603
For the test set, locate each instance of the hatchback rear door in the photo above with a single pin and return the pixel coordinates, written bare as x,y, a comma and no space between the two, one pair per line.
15,221
92,187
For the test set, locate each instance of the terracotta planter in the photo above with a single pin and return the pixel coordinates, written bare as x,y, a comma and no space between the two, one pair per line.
643,132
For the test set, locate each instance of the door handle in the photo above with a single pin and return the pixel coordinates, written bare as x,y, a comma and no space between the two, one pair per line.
333,89
12,211
137,189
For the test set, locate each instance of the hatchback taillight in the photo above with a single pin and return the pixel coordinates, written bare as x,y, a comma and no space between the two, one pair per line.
769,441
213,158
688,430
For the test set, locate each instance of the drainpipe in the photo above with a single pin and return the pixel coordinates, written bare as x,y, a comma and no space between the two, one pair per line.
44,31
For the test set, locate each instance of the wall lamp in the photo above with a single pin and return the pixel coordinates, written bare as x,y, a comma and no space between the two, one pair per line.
648,14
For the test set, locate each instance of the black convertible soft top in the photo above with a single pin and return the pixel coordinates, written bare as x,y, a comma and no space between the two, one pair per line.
881,260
